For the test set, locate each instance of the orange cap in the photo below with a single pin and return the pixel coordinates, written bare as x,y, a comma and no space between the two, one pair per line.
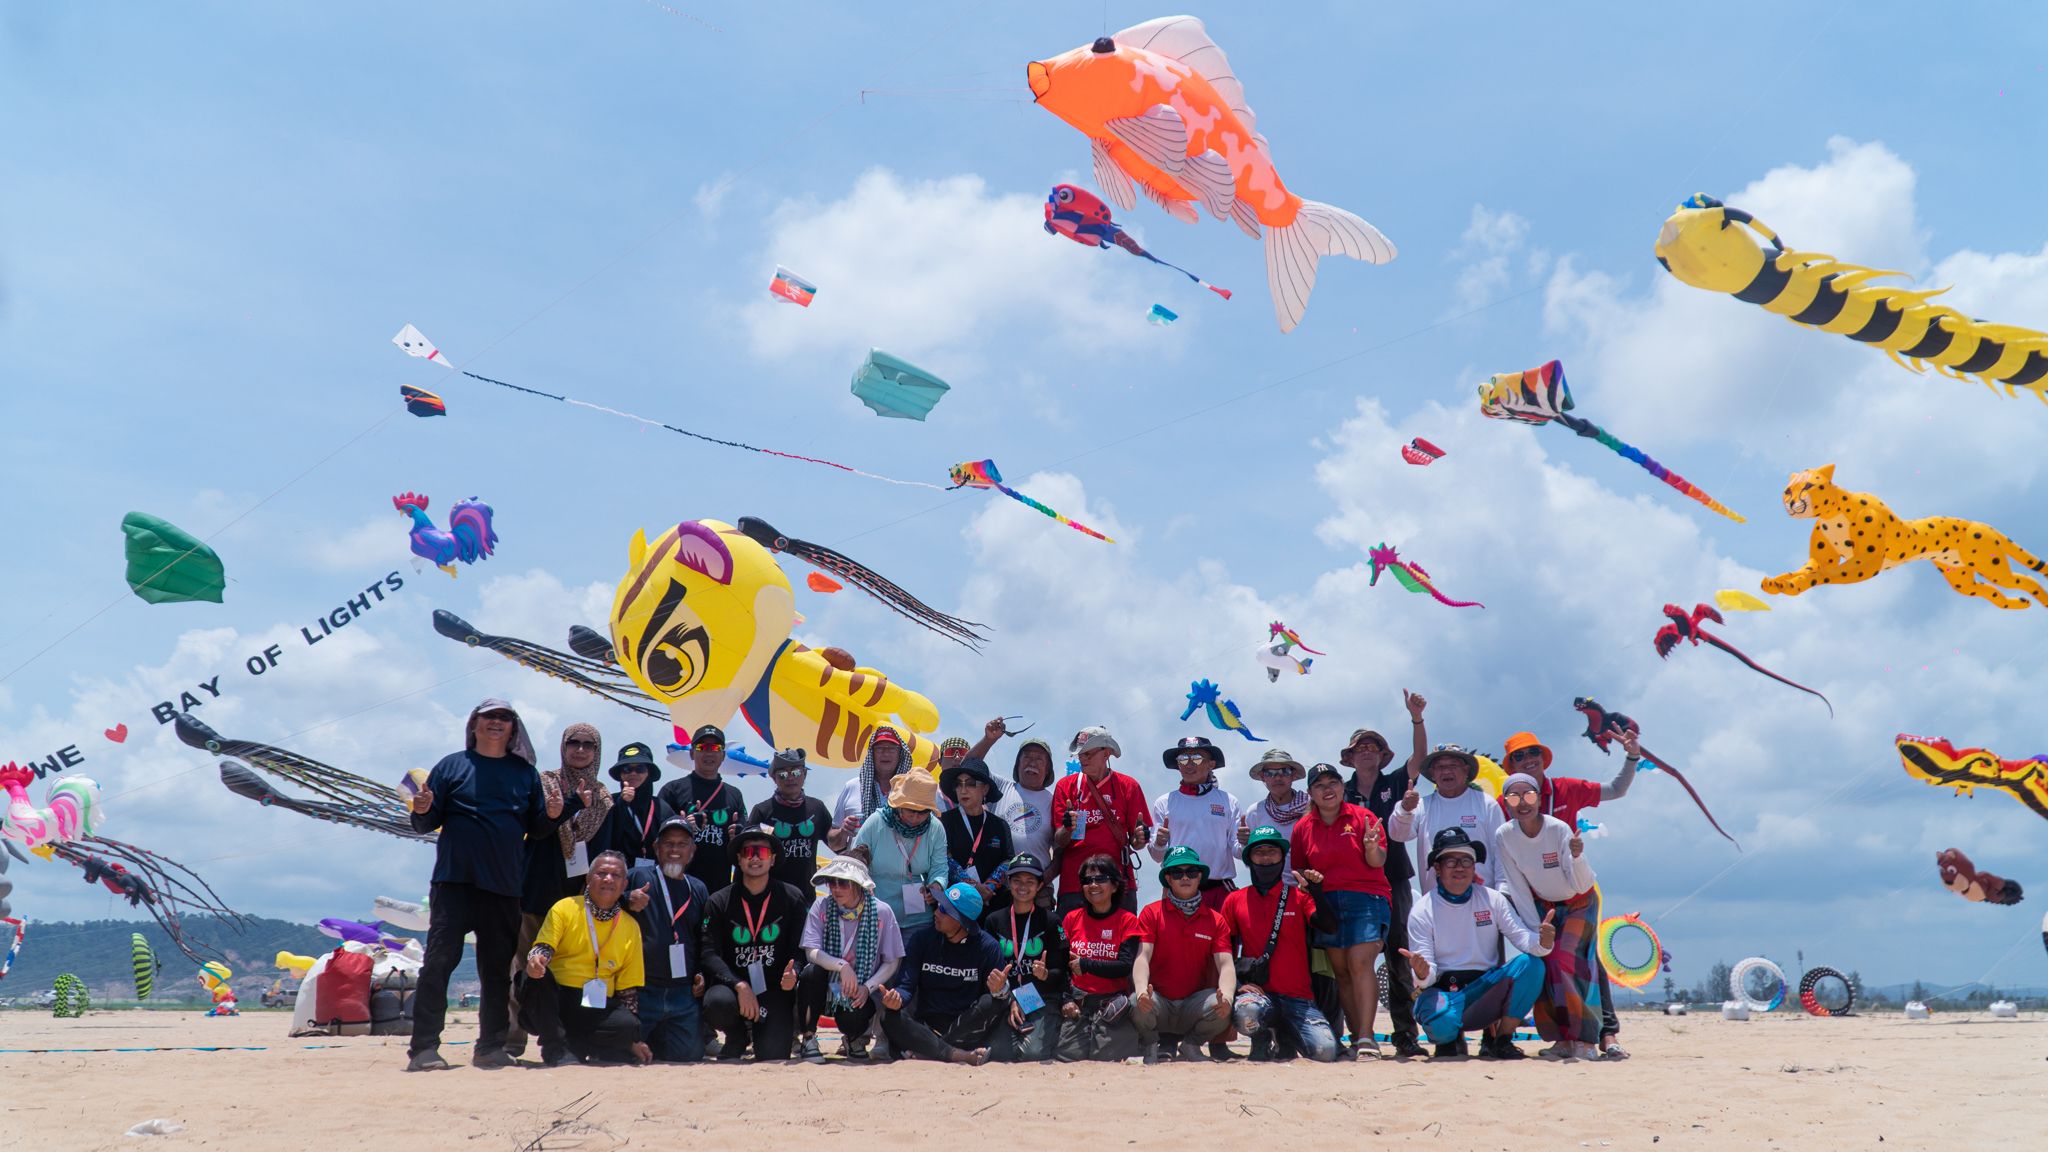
1521,740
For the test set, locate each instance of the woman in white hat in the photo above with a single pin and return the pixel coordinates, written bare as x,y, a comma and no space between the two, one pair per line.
854,947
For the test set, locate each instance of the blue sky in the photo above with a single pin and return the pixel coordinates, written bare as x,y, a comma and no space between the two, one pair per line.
217,215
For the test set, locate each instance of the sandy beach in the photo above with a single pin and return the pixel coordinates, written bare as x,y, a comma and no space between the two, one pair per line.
1696,1082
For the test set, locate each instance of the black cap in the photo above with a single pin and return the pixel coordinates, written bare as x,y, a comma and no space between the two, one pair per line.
1321,770
1455,840
710,731
636,755
682,822
1192,744
1026,862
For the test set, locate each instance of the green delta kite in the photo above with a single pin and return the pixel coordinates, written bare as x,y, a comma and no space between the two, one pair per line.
168,565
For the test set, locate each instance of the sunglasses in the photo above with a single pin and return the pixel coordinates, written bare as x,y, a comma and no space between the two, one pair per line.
1517,797
790,774
1455,860
835,883
1525,754
632,769
499,717
715,747
581,743
1191,757
1097,879
1182,874
1276,770
756,852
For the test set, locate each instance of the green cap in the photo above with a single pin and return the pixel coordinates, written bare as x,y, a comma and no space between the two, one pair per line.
1180,856
1264,834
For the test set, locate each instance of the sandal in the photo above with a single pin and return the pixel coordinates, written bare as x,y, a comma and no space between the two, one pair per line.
1613,1051
1366,1050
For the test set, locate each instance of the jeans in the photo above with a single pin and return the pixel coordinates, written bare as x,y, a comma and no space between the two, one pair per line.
937,1036
1362,918
668,1022
1504,993
454,911
772,1034
1191,1019
561,1022
1297,1019
1400,977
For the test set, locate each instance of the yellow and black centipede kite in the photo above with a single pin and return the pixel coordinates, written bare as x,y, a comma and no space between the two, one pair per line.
1814,289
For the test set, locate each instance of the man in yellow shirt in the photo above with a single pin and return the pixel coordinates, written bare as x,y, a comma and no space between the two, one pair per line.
593,954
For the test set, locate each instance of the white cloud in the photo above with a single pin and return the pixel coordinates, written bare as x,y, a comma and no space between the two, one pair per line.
1488,243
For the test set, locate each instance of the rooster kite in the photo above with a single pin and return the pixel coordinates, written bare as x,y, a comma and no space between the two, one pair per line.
469,537
1684,627
1603,726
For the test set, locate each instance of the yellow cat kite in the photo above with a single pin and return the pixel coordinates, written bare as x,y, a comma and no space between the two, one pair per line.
1855,537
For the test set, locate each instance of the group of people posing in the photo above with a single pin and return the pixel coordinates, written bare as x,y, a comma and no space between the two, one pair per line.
965,919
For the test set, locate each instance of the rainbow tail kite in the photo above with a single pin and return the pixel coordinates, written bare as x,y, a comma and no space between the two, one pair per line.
1410,574
1222,713
983,474
1540,395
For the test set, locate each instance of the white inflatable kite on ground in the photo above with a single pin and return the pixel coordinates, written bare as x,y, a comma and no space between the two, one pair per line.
409,338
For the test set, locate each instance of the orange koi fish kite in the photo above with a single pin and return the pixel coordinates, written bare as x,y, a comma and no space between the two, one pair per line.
1160,107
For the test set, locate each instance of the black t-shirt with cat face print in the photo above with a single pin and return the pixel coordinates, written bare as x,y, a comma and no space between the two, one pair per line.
799,827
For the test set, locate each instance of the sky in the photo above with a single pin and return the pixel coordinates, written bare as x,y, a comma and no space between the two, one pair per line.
216,215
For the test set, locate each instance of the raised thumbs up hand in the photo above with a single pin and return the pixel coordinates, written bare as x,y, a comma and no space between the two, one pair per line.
1547,931
1244,832
638,897
1159,840
789,976
1410,799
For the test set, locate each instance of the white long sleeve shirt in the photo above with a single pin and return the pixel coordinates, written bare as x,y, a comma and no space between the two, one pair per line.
1473,810
1466,937
1206,823
1030,817
1540,865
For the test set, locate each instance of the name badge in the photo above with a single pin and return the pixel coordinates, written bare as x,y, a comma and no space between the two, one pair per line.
972,874
678,961
757,978
594,994
1028,998
913,899
1080,826
579,861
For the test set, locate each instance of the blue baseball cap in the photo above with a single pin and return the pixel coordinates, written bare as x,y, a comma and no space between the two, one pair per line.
962,903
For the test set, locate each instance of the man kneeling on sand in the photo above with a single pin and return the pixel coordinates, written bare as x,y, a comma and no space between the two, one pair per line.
1454,948
593,955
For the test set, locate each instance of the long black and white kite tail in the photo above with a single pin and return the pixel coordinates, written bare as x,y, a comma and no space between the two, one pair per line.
867,579
596,677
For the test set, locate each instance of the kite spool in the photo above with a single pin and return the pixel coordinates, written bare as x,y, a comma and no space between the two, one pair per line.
1738,984
1734,1010
1915,1010
2005,1010
1626,975
1809,983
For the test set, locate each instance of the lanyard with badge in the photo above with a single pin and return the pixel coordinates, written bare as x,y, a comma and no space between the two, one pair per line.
594,989
678,954
1029,999
757,972
913,892
969,869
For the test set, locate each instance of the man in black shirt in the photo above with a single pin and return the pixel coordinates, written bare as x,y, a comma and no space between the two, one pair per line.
487,803
671,944
711,803
1377,785
753,947
798,821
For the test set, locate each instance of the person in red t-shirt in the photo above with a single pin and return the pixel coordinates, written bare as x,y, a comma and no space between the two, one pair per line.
1097,811
1102,944
1564,798
1275,1003
1184,976
1348,846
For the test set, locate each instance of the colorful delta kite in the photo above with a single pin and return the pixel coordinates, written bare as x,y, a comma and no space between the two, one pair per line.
791,288
1603,727
893,387
1410,574
146,965
701,622
1161,316
1855,537
983,474
1963,879
421,402
594,668
71,809
1541,395
173,894
1736,600
1222,713
349,798
1081,217
1420,451
1685,627
1698,246
168,565
1164,115
409,338
469,537
1940,763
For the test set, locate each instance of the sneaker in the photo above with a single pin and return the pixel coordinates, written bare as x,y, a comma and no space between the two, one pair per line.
1505,1048
499,1058
1152,1054
810,1053
854,1047
1454,1048
713,1048
1218,1050
1262,1047
731,1052
562,1059
1191,1051
1408,1048
1366,1050
427,1060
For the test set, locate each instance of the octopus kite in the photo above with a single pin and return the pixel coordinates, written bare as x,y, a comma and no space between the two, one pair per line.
701,623
1855,537
1963,879
1602,727
1081,217
594,668
1698,246
1540,395
152,882
1222,713
1685,627
1940,763
1410,574
1165,116
351,799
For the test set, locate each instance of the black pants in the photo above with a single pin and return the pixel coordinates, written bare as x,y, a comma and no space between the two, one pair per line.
560,1021
1609,1024
772,1035
1400,977
814,988
936,1035
454,911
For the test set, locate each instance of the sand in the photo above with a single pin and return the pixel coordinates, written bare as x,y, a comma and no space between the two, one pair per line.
1697,1082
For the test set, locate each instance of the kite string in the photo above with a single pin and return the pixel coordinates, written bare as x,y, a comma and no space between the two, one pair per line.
684,15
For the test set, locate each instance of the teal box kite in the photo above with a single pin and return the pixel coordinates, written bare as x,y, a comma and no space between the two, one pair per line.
898,388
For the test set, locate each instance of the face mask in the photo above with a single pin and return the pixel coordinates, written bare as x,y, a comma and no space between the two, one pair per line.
1264,876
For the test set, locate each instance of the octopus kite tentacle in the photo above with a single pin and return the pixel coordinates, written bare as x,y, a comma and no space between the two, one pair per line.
243,782
873,583
349,791
597,677
154,882
1687,627
1410,574
1603,726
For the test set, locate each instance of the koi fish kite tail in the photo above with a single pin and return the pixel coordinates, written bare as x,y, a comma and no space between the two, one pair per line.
1293,250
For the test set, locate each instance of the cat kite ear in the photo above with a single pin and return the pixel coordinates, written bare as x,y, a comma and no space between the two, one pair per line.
1826,472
